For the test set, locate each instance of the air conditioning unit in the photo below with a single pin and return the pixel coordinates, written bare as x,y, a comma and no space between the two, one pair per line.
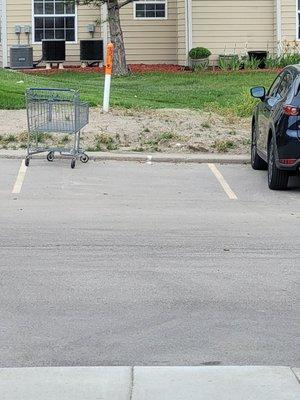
91,51
21,56
54,51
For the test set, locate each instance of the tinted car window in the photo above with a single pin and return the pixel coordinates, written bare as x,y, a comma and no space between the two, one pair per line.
273,89
285,84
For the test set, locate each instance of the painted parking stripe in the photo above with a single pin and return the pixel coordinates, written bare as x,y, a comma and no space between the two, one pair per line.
20,178
149,160
227,189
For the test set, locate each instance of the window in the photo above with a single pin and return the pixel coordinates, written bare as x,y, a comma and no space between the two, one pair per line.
273,89
148,9
54,19
285,84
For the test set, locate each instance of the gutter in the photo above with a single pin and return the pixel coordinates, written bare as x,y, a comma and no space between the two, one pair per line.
188,27
4,33
279,25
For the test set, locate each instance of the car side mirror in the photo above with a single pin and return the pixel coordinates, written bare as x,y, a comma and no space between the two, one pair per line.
259,92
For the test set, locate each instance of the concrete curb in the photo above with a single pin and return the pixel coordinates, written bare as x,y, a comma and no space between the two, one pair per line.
149,383
297,373
151,157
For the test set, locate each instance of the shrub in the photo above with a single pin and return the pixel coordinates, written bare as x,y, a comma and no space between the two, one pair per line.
251,63
199,52
229,62
272,62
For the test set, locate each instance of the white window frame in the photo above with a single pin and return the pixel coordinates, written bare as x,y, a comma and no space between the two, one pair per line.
53,16
165,2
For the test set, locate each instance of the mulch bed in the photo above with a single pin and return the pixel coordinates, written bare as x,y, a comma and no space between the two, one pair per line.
139,69
134,68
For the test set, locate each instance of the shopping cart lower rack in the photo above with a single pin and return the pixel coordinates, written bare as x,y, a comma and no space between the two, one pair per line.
50,114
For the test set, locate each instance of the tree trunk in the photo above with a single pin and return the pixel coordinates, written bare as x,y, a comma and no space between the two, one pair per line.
116,36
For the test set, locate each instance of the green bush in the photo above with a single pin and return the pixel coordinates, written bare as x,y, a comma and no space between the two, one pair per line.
251,63
272,62
283,60
229,62
199,52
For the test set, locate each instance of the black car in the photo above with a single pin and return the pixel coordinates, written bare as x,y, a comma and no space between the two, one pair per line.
276,128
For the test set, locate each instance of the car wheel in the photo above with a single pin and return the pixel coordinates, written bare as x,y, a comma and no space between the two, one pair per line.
256,161
277,179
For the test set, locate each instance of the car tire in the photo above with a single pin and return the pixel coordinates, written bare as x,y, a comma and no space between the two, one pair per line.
277,179
256,161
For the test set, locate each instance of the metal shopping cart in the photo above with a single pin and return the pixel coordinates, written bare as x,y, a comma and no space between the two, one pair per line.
51,113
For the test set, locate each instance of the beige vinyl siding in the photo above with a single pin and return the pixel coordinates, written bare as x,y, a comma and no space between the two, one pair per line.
233,24
216,24
289,19
275,48
150,41
1,38
19,12
181,33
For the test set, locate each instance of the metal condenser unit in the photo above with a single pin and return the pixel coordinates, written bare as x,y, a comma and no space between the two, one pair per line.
21,56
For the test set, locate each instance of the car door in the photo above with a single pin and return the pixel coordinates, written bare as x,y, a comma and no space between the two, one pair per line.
282,94
265,110
273,106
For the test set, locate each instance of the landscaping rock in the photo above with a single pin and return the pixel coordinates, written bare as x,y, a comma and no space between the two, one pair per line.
197,147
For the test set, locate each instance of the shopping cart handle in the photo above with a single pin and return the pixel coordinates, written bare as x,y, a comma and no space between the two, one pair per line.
52,89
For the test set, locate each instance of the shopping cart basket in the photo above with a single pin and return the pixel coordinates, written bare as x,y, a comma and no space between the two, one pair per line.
51,113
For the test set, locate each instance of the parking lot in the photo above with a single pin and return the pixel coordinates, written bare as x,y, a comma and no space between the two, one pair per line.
147,264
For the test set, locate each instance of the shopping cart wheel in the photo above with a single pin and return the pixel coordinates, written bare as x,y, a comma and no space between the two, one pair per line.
84,158
73,163
27,161
50,156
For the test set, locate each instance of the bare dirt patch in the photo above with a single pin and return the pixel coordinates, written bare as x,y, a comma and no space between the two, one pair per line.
164,130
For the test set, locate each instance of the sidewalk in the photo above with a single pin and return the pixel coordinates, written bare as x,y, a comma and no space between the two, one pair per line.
147,157
150,383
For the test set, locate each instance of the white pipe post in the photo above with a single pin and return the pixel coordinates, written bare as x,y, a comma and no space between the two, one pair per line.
108,72
106,96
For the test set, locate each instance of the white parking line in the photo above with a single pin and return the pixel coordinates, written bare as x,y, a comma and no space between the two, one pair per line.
149,160
20,178
227,189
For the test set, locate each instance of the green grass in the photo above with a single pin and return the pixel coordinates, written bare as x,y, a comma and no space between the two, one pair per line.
222,92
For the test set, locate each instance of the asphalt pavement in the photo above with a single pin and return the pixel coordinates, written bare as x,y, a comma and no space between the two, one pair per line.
118,263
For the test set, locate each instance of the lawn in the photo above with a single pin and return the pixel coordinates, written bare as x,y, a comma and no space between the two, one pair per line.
219,92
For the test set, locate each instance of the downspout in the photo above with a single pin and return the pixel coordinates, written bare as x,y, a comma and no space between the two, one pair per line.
189,27
278,25
4,34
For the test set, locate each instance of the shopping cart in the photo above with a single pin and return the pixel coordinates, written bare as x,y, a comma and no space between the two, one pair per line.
51,113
